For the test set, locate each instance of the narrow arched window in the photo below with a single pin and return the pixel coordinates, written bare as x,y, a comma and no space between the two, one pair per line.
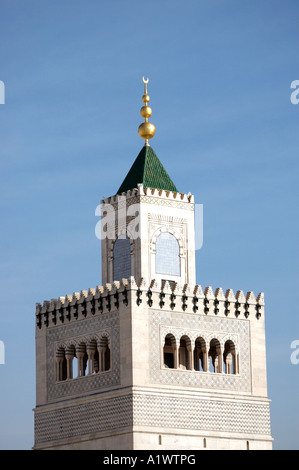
104,354
169,352
215,359
229,358
121,259
92,353
200,355
167,255
185,353
75,366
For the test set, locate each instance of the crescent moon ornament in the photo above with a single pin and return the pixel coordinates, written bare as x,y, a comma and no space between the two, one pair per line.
145,81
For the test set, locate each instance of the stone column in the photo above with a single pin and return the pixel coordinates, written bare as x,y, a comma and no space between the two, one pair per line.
205,359
101,350
91,349
218,360
175,356
190,357
69,355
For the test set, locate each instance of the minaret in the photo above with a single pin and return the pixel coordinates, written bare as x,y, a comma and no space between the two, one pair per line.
148,226
148,360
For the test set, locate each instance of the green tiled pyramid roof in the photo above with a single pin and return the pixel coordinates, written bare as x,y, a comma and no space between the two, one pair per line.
148,170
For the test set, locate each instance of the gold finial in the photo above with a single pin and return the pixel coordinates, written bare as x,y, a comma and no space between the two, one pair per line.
146,130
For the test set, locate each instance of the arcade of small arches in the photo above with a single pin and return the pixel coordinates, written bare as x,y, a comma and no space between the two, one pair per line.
200,355
83,359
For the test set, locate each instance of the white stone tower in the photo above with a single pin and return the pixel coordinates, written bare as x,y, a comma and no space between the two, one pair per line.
150,359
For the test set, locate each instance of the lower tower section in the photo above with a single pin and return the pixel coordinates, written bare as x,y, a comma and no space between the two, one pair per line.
186,369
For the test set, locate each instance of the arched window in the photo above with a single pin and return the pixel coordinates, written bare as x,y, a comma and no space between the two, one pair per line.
84,359
167,255
93,357
185,353
75,367
169,352
215,363
200,355
121,259
229,358
104,354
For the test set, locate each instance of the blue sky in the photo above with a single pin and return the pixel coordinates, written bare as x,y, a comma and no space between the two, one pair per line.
220,75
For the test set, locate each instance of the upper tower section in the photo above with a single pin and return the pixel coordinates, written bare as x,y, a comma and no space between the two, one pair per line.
147,228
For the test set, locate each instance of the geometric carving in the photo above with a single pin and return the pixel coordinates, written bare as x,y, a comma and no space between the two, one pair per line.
198,414
79,420
160,411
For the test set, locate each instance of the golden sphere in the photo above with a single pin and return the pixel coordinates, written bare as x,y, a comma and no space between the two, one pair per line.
145,98
146,111
146,130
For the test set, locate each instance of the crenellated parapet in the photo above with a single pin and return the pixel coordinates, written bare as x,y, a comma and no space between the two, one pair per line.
141,192
165,295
